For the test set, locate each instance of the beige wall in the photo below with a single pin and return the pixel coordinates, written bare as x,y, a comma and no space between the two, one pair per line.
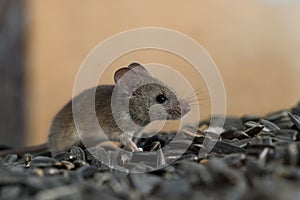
255,45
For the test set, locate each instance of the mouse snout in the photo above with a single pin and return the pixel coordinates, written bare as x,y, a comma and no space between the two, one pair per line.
179,109
185,108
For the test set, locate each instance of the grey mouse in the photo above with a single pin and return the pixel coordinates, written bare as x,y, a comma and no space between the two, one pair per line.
141,95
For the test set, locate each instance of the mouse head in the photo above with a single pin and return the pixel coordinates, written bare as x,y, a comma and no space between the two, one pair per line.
149,98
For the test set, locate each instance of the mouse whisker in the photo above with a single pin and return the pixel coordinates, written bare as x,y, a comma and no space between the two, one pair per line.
198,100
195,93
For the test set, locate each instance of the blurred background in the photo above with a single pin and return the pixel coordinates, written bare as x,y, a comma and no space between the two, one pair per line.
254,43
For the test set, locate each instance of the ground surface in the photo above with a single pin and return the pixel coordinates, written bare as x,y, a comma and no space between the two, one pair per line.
254,158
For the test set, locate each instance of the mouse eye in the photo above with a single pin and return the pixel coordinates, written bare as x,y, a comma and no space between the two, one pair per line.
161,98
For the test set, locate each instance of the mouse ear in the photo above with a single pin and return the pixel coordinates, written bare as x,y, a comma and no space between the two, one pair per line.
129,82
138,68
119,73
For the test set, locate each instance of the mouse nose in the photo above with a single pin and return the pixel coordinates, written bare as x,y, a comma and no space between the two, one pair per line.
185,108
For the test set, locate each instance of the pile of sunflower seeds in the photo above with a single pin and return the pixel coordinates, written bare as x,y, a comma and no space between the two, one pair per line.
253,158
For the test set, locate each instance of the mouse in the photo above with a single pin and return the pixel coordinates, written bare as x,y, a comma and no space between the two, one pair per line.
145,97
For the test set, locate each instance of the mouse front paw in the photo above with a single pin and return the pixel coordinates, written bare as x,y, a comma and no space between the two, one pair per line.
128,143
132,146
